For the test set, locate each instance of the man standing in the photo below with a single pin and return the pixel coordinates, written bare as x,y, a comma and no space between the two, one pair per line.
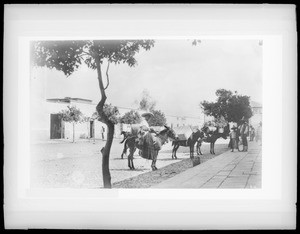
233,136
258,136
244,133
252,133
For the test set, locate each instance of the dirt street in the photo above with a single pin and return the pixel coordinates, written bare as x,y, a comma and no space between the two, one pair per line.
59,164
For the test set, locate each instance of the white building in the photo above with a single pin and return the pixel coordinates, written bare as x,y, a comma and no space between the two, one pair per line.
180,121
257,114
47,123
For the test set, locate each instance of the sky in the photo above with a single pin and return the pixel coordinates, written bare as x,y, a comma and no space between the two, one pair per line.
176,74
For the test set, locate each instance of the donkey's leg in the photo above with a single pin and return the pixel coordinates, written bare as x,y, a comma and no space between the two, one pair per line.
130,158
132,165
191,150
199,148
213,148
153,165
156,155
173,151
129,162
177,146
124,151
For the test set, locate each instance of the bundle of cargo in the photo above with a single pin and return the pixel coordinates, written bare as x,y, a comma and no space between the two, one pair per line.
134,129
183,132
157,128
126,127
216,124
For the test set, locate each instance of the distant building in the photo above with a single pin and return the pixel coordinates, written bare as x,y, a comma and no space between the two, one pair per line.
257,114
180,121
47,123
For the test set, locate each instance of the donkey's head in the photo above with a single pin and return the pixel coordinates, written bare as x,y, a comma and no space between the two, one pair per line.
168,132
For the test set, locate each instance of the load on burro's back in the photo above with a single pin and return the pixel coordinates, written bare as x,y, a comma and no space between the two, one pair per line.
216,124
183,132
210,131
149,142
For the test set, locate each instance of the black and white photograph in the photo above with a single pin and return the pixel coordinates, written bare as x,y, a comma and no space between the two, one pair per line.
146,114
129,111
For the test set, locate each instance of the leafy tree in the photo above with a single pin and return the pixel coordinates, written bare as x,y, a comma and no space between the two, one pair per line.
67,56
72,115
232,106
131,117
158,119
112,112
196,42
146,103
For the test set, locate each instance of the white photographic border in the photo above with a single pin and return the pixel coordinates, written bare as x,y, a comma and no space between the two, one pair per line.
272,206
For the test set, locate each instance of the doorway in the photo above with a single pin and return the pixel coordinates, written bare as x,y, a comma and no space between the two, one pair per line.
92,129
56,127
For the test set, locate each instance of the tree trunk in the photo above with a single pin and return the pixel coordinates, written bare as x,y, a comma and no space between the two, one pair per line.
73,132
110,128
105,156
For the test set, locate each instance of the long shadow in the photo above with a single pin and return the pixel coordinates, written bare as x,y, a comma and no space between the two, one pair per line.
138,169
170,159
125,158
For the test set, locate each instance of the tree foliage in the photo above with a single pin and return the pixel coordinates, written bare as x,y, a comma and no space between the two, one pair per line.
196,42
158,119
232,106
112,112
131,117
67,56
146,103
72,114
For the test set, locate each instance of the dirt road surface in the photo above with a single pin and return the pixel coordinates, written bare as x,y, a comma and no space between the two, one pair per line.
60,164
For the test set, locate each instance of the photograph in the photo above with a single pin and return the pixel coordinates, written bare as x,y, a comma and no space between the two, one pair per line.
150,116
146,113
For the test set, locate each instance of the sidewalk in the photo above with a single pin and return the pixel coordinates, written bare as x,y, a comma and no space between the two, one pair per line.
228,170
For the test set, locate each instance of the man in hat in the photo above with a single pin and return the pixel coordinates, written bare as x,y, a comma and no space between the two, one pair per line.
233,138
244,131
145,121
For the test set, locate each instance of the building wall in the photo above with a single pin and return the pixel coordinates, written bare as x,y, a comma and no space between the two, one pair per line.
256,118
177,121
41,118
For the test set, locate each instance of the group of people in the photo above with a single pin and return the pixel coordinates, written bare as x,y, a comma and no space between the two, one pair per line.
243,131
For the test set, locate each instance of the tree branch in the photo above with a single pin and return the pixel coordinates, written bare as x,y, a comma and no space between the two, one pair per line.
107,78
100,106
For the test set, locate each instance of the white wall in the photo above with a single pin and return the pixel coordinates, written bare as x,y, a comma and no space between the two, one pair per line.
40,119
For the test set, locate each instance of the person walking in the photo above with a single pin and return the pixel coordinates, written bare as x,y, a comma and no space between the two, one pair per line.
244,133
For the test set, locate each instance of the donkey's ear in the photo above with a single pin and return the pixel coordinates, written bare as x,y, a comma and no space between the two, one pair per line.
166,126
